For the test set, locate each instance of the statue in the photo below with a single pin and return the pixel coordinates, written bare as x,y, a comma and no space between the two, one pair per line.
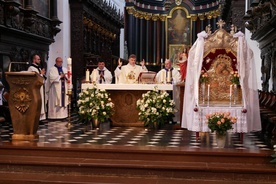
182,63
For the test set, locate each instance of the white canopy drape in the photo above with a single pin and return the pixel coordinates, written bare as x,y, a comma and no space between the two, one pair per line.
248,83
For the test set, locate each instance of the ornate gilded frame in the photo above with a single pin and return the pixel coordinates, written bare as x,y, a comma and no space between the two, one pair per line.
174,41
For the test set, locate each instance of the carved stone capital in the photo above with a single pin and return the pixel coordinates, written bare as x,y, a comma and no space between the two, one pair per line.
155,17
201,16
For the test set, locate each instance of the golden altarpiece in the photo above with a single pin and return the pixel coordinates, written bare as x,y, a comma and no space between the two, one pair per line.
221,78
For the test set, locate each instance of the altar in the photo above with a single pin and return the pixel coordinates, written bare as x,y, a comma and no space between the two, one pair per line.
125,96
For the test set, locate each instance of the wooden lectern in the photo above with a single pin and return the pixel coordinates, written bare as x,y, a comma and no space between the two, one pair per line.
24,103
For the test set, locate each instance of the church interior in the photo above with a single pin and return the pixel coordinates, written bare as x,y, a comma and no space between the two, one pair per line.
205,59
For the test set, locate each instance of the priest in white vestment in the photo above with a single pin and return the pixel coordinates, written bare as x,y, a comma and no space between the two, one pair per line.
57,88
246,69
34,67
102,75
173,76
163,74
128,74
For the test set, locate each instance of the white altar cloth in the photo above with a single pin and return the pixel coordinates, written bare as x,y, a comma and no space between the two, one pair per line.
141,87
167,87
200,124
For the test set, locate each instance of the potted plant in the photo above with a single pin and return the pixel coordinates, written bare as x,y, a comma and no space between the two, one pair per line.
95,104
220,123
155,108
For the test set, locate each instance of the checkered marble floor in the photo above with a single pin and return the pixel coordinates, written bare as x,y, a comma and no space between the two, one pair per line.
57,132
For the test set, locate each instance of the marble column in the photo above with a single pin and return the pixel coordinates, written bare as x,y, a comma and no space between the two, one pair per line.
154,39
148,31
194,28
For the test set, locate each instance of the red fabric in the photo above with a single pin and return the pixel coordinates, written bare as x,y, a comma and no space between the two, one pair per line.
212,55
183,70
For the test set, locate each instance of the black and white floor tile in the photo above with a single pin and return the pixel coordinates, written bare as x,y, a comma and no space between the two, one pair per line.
57,132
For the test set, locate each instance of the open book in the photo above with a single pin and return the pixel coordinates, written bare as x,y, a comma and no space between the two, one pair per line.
147,77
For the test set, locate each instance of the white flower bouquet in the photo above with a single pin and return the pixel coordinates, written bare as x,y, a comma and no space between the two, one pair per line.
155,107
95,103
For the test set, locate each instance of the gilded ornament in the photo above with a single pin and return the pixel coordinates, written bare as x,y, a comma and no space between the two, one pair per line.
22,81
178,2
22,100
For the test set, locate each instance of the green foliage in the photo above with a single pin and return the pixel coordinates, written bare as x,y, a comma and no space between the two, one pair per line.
204,78
220,122
95,103
155,106
235,78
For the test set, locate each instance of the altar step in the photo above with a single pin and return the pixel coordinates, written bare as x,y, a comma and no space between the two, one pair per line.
116,164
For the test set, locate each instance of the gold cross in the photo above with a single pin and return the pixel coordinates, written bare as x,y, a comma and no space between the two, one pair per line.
220,23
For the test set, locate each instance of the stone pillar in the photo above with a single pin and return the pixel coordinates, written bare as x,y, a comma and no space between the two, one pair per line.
154,39
194,28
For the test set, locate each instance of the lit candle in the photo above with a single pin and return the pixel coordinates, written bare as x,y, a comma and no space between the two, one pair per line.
208,93
230,90
169,77
94,75
87,75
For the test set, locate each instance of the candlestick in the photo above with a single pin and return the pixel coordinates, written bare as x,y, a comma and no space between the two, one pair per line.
230,95
87,75
208,93
230,90
69,93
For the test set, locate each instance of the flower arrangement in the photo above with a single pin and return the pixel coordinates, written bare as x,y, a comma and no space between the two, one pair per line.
204,78
235,77
95,103
220,122
155,106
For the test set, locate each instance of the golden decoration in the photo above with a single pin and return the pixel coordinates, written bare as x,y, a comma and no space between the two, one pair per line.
194,17
221,39
162,17
22,100
21,81
178,2
155,17
201,16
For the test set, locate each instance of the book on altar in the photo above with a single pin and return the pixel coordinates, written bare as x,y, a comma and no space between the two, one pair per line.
147,77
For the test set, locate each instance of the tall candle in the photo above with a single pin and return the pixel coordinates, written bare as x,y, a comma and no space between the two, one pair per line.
69,61
161,60
162,80
87,75
69,73
94,75
169,77
208,93
230,90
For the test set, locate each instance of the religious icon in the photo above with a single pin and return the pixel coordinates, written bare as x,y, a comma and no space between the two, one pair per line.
179,28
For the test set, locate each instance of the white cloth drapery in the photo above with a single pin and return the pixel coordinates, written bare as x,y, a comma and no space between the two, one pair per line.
248,83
